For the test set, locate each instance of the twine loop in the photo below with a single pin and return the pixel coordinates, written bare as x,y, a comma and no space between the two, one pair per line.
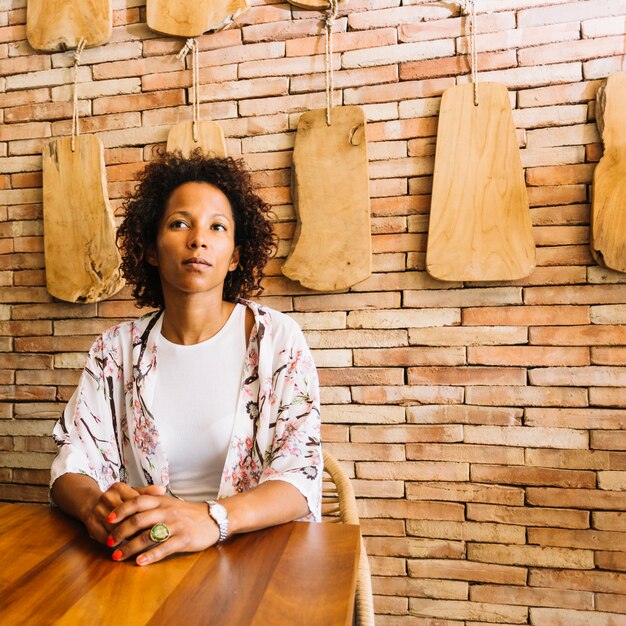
469,7
191,45
77,53
329,20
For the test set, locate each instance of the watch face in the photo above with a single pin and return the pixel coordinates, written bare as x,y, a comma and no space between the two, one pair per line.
219,512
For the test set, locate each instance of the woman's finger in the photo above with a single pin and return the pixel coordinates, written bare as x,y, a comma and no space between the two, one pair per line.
134,524
152,490
131,507
98,531
159,552
142,542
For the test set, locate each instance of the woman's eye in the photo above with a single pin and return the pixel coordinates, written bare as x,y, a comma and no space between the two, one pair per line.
219,227
178,224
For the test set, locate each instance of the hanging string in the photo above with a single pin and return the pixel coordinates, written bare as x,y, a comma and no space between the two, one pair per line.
75,130
469,7
191,45
331,16
473,50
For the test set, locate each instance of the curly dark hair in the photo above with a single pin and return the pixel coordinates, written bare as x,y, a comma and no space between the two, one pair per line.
144,209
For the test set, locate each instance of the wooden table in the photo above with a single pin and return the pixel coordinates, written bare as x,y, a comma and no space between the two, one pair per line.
297,573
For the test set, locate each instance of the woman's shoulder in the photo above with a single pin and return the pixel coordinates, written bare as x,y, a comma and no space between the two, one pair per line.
123,334
273,317
275,321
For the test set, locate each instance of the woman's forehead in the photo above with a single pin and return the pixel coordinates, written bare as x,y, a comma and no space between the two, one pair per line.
198,195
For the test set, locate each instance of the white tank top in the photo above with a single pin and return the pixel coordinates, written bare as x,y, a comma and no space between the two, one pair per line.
195,403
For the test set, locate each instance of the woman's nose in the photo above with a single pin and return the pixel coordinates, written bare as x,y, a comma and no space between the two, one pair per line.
197,240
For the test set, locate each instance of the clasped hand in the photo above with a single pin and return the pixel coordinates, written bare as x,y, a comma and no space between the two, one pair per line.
123,516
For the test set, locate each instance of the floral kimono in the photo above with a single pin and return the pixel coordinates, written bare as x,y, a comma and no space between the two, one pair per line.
108,430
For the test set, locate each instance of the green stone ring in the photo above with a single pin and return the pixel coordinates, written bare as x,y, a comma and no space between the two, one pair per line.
159,533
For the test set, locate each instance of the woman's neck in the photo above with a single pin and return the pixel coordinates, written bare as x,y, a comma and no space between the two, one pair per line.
195,321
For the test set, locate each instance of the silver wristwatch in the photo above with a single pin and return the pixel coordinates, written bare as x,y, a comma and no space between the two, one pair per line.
220,515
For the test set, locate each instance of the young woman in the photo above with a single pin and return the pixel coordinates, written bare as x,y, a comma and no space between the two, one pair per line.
200,420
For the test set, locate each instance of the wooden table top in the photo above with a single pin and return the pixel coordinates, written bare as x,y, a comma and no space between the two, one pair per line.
297,573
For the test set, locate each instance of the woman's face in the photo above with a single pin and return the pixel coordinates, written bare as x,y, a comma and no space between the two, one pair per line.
195,242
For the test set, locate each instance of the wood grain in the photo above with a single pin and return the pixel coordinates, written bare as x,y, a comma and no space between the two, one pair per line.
331,250
480,227
313,5
191,18
608,212
210,142
82,260
60,24
297,574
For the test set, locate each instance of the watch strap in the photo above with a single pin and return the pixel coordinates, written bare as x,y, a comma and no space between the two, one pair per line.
219,515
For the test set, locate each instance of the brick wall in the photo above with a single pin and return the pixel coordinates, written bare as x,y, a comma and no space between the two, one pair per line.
483,423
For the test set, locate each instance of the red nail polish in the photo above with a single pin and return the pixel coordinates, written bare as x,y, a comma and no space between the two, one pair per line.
110,542
117,555
112,516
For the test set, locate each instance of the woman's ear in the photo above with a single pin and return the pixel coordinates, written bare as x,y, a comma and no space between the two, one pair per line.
234,261
151,256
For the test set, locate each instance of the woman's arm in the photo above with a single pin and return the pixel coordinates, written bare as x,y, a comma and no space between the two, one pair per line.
79,496
273,502
190,525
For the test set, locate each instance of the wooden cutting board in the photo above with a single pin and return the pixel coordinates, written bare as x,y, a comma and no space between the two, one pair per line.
82,260
191,18
314,5
480,227
608,212
332,246
210,139
60,24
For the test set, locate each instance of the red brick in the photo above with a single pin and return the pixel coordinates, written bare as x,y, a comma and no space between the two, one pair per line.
606,582
465,376
608,520
574,50
608,439
581,335
613,603
560,174
459,64
529,315
404,394
460,569
402,434
361,376
529,516
138,102
611,561
465,492
409,356
465,453
414,471
576,498
527,355
532,476
591,539
568,214
471,611
412,587
540,556
341,41
576,418
576,459
533,596
404,509
526,396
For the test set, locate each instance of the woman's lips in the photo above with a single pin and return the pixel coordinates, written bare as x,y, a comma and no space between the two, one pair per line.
196,261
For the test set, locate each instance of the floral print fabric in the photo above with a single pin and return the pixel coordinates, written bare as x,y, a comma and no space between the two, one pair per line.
108,431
